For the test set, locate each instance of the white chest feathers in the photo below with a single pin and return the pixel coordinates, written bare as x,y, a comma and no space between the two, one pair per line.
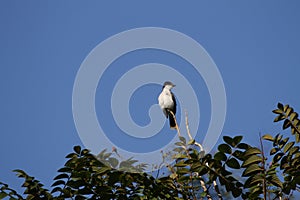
165,99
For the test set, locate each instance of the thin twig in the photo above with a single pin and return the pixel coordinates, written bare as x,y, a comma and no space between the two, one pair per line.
205,189
217,190
216,187
187,126
189,133
202,183
264,167
177,127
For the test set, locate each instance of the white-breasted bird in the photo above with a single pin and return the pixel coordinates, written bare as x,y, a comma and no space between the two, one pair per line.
167,102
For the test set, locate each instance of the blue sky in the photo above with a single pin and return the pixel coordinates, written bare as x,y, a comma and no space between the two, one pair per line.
254,44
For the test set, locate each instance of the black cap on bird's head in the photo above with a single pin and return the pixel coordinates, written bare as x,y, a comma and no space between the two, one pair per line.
169,83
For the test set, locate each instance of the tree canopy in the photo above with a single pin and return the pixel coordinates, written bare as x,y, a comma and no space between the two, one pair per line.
237,169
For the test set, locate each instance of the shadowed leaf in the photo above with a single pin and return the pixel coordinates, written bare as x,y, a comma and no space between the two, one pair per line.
275,181
286,124
61,176
277,157
237,139
228,140
220,156
268,137
77,149
251,160
233,163
243,146
280,106
252,169
252,151
224,148
59,182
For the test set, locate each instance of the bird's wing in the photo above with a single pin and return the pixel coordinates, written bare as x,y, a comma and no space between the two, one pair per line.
165,112
174,102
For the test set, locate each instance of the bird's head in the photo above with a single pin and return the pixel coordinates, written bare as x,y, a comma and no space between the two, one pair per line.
169,85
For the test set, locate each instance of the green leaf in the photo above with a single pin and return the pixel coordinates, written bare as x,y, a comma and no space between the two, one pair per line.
293,116
283,142
280,106
296,122
224,148
75,184
285,108
224,172
180,144
274,150
59,182
85,152
275,181
20,173
284,163
56,189
178,149
77,149
180,156
113,162
64,169
288,111
202,170
180,164
243,146
239,155
288,178
251,160
61,176
202,195
228,140
277,138
182,139
286,124
195,166
183,179
233,163
277,157
297,137
278,111
237,139
252,151
3,195
293,130
182,171
293,150
236,192
279,118
253,181
252,169
268,137
71,155
220,156
29,197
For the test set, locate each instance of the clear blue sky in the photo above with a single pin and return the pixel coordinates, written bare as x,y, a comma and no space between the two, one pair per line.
42,45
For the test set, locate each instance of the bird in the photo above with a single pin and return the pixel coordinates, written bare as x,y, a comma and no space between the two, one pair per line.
167,103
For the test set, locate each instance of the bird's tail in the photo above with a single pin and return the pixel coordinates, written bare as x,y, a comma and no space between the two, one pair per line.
172,121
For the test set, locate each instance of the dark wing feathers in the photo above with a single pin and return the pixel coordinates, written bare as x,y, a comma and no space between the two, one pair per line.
174,101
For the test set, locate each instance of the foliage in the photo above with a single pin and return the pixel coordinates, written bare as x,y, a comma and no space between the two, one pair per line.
237,168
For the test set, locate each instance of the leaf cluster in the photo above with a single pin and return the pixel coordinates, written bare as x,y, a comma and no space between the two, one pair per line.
237,168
